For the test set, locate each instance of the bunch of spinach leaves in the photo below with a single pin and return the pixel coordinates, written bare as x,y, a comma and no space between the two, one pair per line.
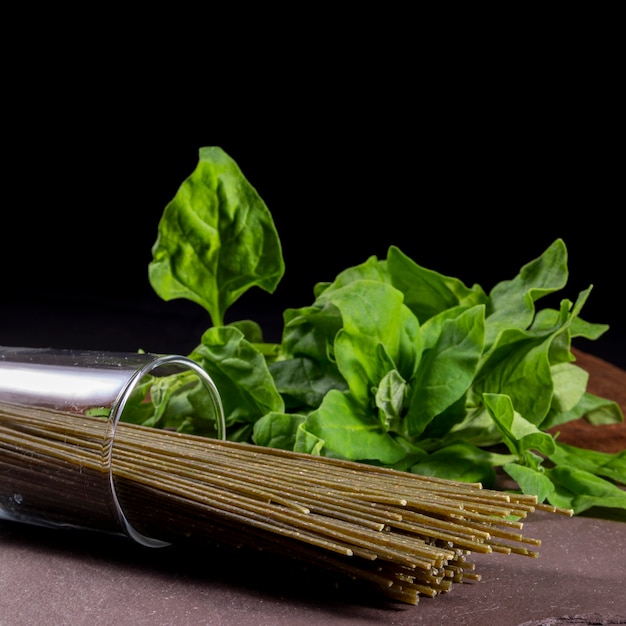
392,363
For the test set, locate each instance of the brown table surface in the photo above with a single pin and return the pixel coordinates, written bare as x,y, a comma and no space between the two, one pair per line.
56,577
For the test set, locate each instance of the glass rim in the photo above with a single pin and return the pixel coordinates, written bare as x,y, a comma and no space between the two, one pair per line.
116,413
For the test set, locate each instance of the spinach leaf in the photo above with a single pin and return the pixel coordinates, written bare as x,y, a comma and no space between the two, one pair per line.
611,466
427,292
378,334
241,374
511,303
216,239
447,369
347,431
277,430
581,490
519,434
535,481
463,461
592,408
520,361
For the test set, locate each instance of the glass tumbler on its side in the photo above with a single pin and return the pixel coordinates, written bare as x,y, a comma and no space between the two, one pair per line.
59,413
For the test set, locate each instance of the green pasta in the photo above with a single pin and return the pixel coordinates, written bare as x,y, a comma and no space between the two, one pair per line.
405,535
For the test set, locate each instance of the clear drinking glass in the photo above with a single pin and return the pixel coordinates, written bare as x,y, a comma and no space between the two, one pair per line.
59,412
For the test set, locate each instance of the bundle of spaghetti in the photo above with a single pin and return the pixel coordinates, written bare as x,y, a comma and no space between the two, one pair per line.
405,534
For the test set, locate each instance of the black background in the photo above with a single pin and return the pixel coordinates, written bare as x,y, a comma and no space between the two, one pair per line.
472,166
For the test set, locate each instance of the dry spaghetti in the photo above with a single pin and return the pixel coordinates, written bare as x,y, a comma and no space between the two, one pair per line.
407,535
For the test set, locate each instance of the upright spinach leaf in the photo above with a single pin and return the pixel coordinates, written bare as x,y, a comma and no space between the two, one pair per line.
374,315
216,239
446,370
512,302
427,292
